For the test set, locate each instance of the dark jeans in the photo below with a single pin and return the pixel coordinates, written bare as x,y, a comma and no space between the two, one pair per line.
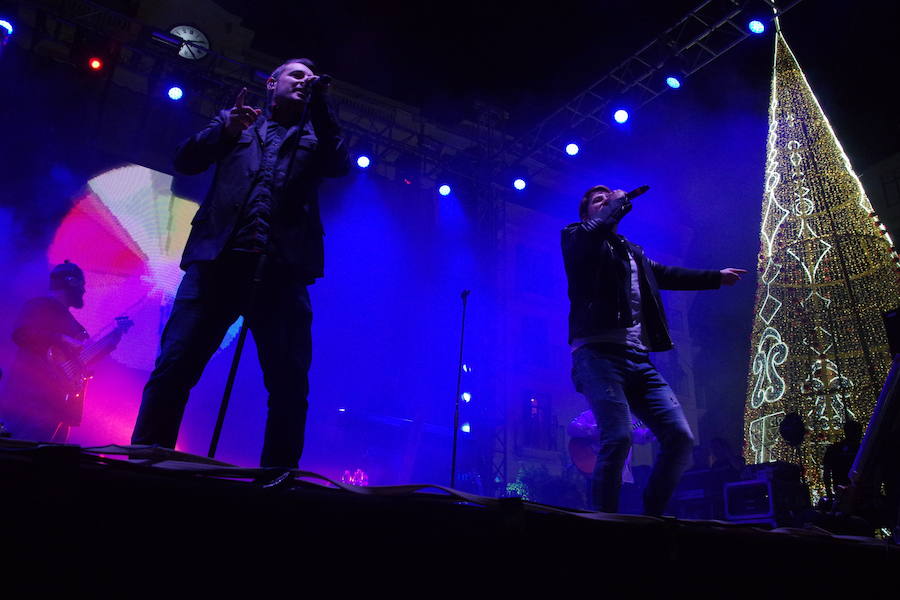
617,382
211,296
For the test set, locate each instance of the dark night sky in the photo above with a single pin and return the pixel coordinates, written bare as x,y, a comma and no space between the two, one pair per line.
444,56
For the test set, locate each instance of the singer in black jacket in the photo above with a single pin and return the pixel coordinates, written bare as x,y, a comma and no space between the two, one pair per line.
616,318
260,220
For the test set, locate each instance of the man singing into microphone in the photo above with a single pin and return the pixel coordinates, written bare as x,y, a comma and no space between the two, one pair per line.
262,209
616,318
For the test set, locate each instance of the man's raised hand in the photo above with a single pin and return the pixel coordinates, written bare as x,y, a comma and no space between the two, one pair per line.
240,117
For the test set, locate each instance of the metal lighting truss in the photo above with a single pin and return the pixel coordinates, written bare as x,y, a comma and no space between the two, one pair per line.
702,35
399,138
140,58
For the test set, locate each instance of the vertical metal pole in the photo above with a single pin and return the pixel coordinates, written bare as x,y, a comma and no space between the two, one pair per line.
232,373
462,335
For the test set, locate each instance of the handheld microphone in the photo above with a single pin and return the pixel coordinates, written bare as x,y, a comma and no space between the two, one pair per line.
636,192
324,80
626,204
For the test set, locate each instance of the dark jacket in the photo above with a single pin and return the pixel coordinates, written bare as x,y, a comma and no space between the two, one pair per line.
599,275
296,230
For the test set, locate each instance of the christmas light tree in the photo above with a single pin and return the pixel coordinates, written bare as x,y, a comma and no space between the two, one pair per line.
827,270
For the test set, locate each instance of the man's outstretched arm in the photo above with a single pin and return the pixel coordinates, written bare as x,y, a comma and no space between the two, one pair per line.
681,278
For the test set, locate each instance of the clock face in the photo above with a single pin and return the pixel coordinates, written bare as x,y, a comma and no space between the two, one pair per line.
198,45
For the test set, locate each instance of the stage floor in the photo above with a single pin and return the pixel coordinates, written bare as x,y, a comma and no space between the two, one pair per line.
95,519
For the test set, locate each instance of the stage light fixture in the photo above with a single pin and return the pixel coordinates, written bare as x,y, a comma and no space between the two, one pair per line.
6,30
519,184
572,149
175,93
756,26
673,82
620,115
466,368
444,190
95,63
363,161
466,428
466,397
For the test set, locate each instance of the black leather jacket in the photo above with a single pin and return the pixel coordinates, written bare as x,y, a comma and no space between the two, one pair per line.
599,275
296,234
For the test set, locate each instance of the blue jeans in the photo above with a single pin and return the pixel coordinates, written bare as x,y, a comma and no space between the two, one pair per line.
618,381
210,298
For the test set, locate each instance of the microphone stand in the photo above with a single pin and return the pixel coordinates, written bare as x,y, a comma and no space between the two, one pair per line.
254,287
464,296
232,372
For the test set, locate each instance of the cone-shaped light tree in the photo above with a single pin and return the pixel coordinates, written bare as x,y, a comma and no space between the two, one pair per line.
827,270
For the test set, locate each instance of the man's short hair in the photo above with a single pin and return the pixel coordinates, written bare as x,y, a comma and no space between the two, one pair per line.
586,199
280,69
62,275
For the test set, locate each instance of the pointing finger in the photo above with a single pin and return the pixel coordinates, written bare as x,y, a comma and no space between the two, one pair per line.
239,101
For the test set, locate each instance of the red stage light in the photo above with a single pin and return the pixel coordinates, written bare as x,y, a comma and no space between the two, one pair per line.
95,63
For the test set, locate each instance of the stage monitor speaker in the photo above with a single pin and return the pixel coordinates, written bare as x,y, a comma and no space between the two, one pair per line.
783,501
749,500
699,494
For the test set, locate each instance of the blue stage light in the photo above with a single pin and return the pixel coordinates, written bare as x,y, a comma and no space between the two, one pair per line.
466,397
363,162
620,115
756,26
673,82
466,368
466,428
176,93
519,184
444,190
7,26
572,149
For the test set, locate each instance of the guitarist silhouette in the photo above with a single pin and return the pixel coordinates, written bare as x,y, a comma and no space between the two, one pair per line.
44,397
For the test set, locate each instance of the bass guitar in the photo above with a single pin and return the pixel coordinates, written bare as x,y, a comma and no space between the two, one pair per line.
70,367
